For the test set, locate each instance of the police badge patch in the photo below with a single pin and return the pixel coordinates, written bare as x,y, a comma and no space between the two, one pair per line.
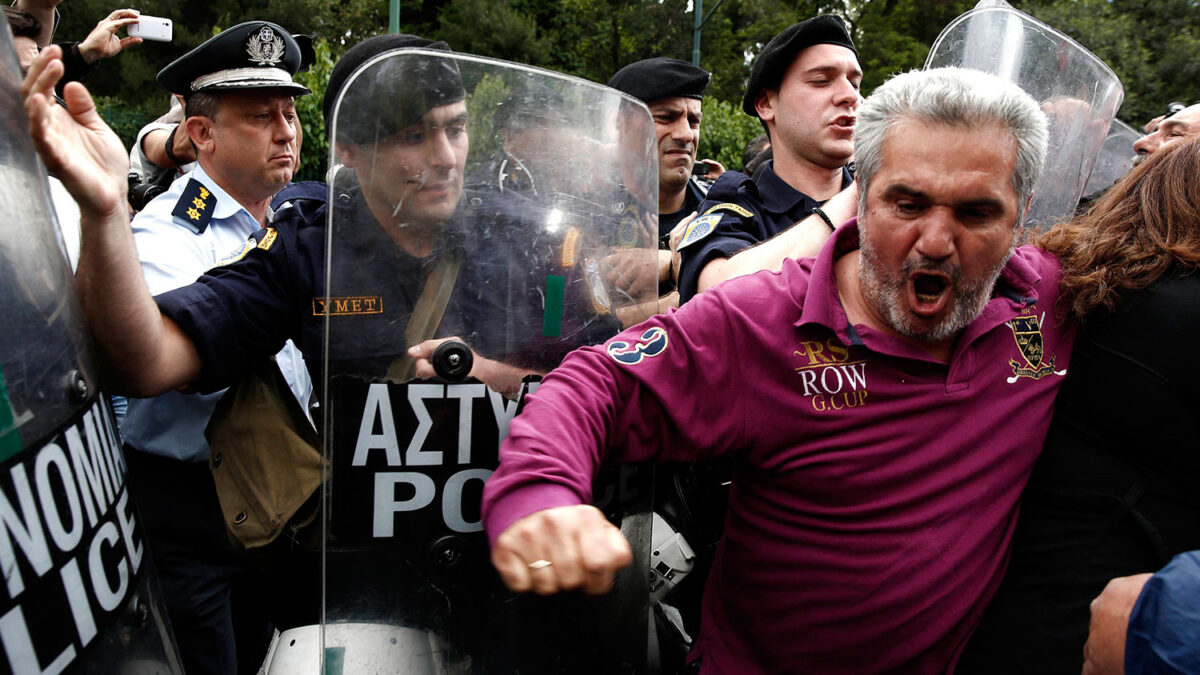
698,229
237,254
601,303
1027,331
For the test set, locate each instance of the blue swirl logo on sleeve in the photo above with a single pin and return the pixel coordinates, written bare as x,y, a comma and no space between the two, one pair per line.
652,343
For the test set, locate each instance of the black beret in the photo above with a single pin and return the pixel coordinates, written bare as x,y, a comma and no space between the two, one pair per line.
392,94
532,104
779,53
251,55
661,77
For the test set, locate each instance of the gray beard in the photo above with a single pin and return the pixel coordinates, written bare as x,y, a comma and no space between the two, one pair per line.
886,295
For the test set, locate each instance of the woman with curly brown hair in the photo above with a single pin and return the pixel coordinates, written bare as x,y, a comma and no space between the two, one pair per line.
1116,490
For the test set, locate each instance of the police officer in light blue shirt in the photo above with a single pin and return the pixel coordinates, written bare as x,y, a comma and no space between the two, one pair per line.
241,117
174,253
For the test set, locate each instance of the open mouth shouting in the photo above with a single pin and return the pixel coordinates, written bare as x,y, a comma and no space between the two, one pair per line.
931,291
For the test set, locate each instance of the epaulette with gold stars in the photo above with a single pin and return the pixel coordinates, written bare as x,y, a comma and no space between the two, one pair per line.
195,206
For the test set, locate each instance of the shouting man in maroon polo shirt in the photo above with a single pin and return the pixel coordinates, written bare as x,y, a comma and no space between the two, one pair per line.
882,404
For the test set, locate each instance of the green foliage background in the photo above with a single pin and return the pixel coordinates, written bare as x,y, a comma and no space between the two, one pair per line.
1152,46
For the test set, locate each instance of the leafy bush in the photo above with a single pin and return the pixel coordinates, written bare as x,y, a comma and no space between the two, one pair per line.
724,132
124,120
314,155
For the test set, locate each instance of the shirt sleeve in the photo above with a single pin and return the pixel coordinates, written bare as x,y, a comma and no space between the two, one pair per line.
636,398
1164,630
731,235
74,65
734,232
240,311
170,255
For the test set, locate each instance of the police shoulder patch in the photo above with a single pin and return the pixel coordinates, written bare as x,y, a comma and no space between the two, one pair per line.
601,303
570,247
195,206
268,238
698,229
237,254
651,343
732,208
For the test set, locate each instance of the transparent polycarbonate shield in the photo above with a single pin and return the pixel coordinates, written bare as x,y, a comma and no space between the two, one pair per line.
1114,161
78,594
1077,91
485,219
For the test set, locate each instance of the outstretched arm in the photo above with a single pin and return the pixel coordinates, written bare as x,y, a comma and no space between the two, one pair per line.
802,240
145,353
560,549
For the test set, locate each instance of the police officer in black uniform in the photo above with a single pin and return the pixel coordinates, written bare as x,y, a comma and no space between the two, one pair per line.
804,89
673,90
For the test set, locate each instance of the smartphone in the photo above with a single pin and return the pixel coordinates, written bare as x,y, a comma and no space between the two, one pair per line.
700,169
151,28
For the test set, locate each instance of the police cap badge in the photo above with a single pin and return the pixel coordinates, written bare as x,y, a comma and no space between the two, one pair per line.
251,55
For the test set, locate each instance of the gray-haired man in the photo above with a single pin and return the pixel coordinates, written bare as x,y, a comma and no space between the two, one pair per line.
882,404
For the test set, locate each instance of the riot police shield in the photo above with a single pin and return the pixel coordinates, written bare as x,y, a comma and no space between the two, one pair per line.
1114,161
79,595
1077,91
492,217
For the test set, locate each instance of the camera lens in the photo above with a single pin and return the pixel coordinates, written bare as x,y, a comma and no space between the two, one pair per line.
140,194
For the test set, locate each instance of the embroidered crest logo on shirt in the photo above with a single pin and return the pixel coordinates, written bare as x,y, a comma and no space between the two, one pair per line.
831,381
652,343
1027,331
195,206
265,47
698,229
349,306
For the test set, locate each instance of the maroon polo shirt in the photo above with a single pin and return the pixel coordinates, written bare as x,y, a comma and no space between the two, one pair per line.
875,489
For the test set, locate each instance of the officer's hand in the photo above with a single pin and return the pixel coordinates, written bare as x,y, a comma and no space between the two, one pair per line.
560,549
75,145
496,375
103,42
1104,653
633,271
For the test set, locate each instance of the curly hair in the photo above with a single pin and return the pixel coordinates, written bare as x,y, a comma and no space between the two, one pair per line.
1145,227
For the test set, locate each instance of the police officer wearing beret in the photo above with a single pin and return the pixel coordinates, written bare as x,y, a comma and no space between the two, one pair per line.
804,89
241,118
673,90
